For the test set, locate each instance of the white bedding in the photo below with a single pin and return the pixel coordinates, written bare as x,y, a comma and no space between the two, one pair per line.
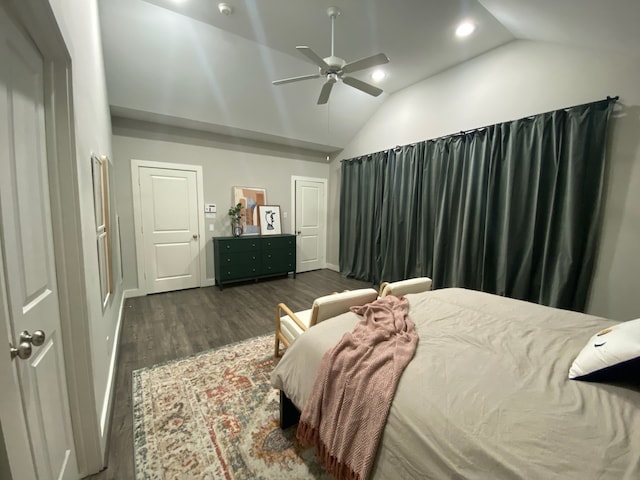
486,395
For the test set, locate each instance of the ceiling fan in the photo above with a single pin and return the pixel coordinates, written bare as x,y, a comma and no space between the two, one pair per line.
334,68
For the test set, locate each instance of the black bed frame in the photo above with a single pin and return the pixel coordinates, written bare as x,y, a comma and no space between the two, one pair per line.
289,414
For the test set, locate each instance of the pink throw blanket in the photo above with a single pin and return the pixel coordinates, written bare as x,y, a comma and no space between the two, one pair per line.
348,407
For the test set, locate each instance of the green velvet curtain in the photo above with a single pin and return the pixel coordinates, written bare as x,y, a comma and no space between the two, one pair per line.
511,209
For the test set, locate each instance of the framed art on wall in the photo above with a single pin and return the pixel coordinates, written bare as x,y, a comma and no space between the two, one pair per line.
270,219
250,198
101,205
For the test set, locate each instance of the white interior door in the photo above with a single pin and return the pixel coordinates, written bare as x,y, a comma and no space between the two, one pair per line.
34,394
169,210
311,223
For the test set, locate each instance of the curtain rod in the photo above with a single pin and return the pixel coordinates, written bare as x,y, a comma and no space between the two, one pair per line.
608,99
397,148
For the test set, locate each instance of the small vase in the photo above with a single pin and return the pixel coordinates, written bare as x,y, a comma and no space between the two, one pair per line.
236,229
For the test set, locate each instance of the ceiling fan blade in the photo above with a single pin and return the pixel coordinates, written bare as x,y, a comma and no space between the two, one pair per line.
360,85
295,79
368,62
313,56
326,91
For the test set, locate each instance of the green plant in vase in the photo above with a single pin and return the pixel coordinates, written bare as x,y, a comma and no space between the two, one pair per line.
236,215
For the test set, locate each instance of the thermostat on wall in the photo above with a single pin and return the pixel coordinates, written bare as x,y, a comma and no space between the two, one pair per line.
210,208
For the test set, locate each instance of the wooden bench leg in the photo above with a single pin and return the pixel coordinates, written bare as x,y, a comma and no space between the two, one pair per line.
289,414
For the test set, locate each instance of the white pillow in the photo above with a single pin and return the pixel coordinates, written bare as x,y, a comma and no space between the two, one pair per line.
611,354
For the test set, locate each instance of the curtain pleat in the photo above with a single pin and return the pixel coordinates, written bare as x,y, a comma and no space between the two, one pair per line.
511,209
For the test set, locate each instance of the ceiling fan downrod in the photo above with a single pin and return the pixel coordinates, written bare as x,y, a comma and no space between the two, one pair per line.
333,12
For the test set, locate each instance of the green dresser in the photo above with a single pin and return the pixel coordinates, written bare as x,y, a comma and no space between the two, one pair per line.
252,257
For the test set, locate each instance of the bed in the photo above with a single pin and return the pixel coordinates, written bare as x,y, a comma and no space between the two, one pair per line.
487,394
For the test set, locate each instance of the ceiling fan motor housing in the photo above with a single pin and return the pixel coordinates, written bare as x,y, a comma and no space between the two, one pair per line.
335,65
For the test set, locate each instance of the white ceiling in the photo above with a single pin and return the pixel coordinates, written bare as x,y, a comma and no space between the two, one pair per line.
182,63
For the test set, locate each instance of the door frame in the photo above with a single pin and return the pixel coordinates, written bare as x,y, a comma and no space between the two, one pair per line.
37,19
137,218
325,181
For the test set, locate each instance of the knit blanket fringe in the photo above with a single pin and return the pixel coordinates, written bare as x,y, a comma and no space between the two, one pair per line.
328,461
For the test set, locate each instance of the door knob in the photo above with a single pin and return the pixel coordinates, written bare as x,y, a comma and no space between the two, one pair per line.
23,351
195,236
299,232
36,339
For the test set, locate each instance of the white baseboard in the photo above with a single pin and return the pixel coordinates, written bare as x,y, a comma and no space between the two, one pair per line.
138,292
109,395
333,267
133,292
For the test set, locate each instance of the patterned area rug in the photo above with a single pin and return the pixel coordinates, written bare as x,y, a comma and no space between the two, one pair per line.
215,416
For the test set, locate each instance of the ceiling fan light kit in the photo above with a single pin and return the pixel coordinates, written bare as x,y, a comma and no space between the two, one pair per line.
334,68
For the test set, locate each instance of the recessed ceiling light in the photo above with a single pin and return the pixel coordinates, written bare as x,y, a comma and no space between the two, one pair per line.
225,8
465,29
378,75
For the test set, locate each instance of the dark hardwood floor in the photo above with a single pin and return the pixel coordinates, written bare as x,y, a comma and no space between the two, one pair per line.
166,326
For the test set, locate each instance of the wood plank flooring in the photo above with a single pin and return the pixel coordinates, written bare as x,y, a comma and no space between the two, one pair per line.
166,326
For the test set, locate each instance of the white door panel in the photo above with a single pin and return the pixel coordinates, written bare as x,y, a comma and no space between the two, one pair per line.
171,203
29,266
173,260
310,224
310,249
169,209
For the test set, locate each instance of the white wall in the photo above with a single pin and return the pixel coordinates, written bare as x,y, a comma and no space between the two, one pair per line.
79,25
226,163
519,79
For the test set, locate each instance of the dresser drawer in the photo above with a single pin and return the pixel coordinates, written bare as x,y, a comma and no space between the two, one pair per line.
239,258
239,245
239,264
278,261
270,243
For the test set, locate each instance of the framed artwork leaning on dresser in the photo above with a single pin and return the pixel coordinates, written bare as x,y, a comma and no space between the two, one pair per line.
250,198
270,220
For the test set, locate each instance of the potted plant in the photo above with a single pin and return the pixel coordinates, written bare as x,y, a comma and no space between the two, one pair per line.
236,215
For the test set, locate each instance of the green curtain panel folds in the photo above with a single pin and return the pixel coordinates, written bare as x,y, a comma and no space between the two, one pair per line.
511,209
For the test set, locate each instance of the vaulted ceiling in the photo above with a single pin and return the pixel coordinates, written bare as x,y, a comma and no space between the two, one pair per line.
184,63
